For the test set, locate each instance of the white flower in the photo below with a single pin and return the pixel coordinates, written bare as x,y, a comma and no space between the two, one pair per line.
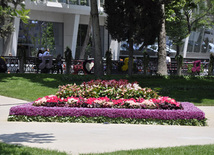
131,102
148,103
129,86
99,101
136,86
72,100
40,101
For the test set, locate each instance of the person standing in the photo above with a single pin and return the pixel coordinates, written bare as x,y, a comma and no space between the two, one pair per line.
168,63
39,59
59,63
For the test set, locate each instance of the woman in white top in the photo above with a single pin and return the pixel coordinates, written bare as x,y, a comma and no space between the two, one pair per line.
168,59
46,53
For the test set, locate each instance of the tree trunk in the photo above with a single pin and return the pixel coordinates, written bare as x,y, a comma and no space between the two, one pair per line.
162,67
179,65
130,57
68,60
98,63
108,62
87,37
130,37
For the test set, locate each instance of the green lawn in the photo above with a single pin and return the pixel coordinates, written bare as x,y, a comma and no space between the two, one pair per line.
184,150
7,149
198,90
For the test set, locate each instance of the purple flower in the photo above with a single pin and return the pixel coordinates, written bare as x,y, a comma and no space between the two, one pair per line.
189,112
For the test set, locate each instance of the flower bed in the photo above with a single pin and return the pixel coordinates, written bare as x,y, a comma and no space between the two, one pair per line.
190,115
108,101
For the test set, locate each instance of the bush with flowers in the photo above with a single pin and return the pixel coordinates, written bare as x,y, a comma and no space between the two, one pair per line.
102,88
105,102
108,94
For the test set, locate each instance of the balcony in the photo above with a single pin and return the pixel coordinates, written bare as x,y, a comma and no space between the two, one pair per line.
63,6
71,2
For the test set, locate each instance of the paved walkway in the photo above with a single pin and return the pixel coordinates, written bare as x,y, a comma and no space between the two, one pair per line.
75,138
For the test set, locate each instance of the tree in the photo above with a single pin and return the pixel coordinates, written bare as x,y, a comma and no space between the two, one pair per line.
168,13
134,21
198,13
176,30
98,63
162,67
87,39
8,11
187,16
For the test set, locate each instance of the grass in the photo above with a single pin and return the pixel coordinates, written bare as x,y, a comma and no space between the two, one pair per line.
183,150
8,149
198,90
28,86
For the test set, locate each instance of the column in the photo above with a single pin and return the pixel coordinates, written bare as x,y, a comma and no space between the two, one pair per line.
71,26
185,47
106,40
115,48
15,36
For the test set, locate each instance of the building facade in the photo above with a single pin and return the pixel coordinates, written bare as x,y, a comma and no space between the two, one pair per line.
57,24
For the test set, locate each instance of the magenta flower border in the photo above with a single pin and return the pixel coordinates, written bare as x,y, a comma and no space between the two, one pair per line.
190,111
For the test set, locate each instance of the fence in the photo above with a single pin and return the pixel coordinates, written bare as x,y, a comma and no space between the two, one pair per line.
31,65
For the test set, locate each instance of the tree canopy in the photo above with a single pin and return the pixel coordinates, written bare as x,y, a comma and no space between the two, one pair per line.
134,21
140,17
8,10
188,16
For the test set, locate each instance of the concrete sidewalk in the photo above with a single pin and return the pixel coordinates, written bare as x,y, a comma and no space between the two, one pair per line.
75,138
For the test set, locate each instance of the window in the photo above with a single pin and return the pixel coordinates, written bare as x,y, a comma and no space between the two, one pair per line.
102,2
74,2
84,2
41,34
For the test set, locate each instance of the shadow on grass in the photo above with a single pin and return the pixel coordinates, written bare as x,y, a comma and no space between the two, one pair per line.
184,88
47,80
27,137
197,90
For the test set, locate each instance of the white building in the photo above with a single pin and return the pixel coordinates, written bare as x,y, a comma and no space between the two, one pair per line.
67,18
